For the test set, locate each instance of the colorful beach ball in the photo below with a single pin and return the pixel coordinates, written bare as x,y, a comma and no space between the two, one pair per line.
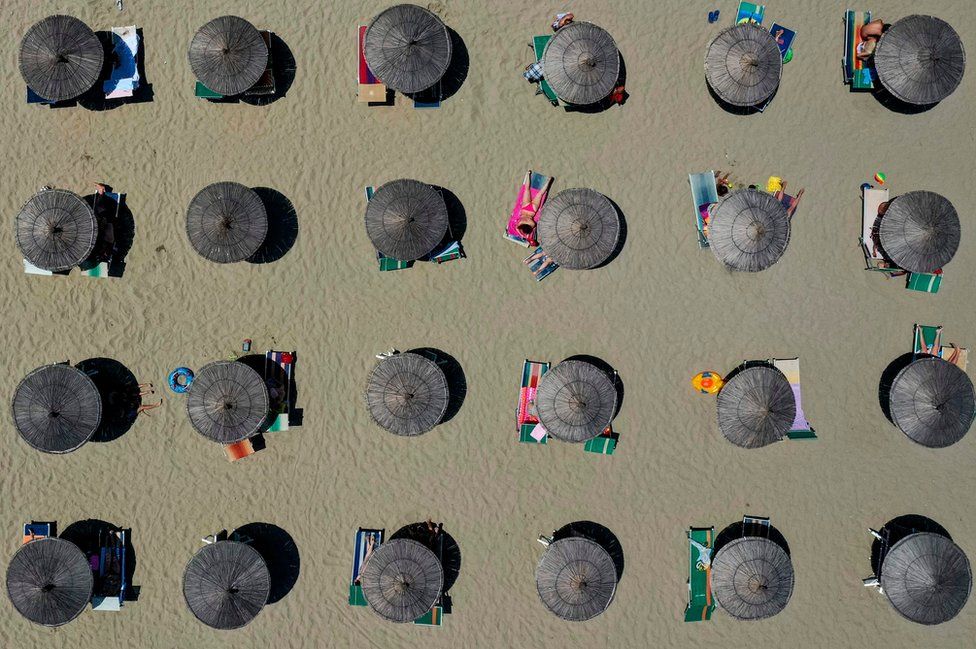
707,382
880,178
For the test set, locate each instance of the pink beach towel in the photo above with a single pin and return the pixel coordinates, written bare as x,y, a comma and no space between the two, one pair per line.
532,185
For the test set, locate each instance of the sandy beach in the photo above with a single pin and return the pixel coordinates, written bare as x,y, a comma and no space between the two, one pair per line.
660,312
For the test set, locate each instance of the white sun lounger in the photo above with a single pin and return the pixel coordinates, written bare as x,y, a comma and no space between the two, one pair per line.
124,79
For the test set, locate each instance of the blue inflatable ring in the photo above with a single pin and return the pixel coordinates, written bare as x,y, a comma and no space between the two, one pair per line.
180,379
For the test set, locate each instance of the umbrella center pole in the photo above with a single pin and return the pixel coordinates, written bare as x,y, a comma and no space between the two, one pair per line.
756,231
757,585
226,224
47,588
228,405
749,61
54,414
232,590
401,586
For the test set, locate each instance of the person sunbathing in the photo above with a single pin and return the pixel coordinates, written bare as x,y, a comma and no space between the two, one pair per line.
370,545
870,34
536,256
561,21
146,407
529,213
781,194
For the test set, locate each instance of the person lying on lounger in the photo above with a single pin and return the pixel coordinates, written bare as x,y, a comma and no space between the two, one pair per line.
370,546
536,256
529,213
870,33
561,21
781,194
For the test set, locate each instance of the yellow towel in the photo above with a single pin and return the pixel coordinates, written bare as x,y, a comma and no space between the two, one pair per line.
774,184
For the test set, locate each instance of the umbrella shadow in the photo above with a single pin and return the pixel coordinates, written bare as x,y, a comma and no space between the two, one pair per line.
600,535
457,384
282,226
738,110
608,369
621,238
895,105
117,232
457,216
898,528
740,530
442,544
744,366
119,390
94,99
888,378
283,68
454,77
280,553
607,102
91,535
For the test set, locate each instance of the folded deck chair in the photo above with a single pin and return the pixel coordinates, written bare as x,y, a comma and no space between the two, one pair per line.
265,85
704,191
371,89
871,199
386,263
700,603
539,47
537,264
801,429
279,365
239,450
35,530
603,444
925,282
124,78
532,185
356,597
526,423
856,73
750,13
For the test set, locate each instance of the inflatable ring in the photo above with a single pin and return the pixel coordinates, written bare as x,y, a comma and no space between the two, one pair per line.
180,379
707,382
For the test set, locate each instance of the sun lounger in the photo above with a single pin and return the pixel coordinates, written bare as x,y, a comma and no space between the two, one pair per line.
790,367
35,530
755,526
203,92
356,597
785,41
856,73
532,185
278,368
925,282
873,259
110,582
34,98
931,335
449,252
239,450
371,89
433,617
430,98
750,13
539,47
700,603
526,423
265,85
102,269
124,78
703,192
537,264
604,444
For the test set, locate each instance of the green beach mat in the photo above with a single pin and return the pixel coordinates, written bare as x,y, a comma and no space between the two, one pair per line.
700,604
539,45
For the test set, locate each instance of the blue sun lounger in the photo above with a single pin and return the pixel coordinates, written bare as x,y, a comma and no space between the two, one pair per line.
703,192
356,597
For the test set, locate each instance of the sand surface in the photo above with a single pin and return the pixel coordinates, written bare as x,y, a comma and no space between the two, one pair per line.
662,311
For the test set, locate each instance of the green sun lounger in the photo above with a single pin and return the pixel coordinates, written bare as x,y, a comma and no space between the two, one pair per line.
605,444
539,45
929,334
925,282
203,92
700,603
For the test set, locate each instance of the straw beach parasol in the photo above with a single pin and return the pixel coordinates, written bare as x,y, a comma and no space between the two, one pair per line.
576,579
581,63
743,65
227,402
933,402
226,222
60,58
926,577
228,55
749,230
56,229
406,219
407,394
49,581
407,47
752,578
920,60
402,580
57,408
579,228
226,584
576,401
756,407
920,231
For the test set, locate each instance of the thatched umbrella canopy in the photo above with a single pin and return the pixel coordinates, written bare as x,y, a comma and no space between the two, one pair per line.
56,229
407,394
60,58
228,55
749,230
402,580
406,219
933,402
581,63
756,407
57,408
226,584
927,578
576,401
920,60
576,579
579,228
743,65
920,231
752,578
49,581
227,402
226,222
407,47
